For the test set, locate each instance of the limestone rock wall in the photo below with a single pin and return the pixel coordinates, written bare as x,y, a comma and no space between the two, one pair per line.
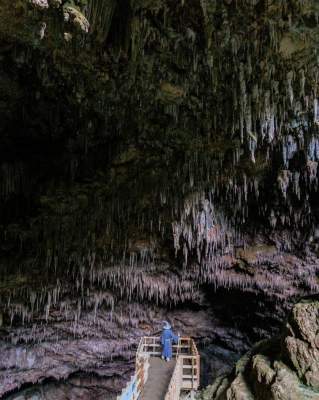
282,368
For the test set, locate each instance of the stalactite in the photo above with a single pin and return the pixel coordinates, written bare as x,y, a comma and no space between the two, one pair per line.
100,14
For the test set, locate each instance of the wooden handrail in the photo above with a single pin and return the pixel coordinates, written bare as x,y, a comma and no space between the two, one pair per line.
176,383
186,375
135,386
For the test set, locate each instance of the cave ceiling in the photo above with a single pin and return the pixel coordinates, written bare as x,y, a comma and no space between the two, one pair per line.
152,152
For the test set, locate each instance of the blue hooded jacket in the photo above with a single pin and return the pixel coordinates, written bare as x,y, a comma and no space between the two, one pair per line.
167,340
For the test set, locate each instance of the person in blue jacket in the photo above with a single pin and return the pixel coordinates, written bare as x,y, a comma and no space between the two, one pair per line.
167,340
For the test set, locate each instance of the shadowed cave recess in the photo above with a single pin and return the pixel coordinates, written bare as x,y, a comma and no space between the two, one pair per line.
158,161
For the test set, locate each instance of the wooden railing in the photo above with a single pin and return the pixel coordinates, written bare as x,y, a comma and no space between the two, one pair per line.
185,351
186,375
134,387
176,383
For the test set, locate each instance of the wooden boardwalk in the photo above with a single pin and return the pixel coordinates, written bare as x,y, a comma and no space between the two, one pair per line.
160,374
156,379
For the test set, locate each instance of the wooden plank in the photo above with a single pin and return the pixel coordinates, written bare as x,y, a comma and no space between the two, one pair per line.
160,377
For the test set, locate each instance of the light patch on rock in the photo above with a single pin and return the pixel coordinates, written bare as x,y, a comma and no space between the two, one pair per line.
77,18
289,46
239,390
40,3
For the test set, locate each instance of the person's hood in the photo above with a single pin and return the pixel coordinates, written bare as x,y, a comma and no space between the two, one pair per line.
166,325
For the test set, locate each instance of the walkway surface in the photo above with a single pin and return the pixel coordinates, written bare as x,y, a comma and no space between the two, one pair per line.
159,377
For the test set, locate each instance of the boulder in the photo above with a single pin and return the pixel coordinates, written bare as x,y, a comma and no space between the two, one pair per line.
274,371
